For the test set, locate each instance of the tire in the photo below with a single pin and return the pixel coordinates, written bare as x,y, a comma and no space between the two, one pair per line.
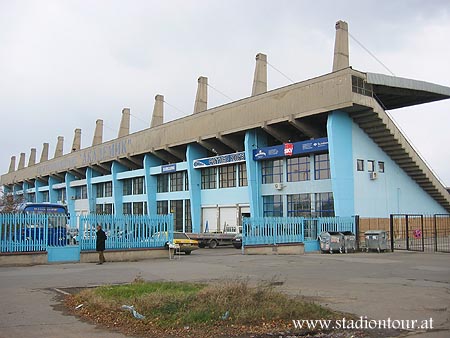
201,245
187,252
212,244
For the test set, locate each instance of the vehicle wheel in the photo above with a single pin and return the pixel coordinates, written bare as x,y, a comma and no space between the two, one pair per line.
201,245
187,252
212,244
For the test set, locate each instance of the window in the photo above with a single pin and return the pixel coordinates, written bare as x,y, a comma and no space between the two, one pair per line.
361,87
298,169
186,181
187,216
61,195
176,207
209,178
227,176
81,192
45,196
370,166
242,171
127,187
321,167
108,189
324,204
104,209
99,190
139,208
176,181
126,208
162,207
273,206
163,183
299,205
272,171
360,165
380,167
99,209
138,186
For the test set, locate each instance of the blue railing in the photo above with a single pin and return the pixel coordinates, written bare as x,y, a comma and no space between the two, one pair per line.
31,232
126,231
282,230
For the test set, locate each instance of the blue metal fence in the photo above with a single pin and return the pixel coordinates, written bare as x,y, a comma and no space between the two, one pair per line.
281,230
31,232
38,232
126,231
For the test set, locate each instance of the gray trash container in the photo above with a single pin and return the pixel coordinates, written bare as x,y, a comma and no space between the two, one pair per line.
376,240
349,241
331,242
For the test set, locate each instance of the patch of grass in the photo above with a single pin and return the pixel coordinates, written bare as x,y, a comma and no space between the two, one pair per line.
172,306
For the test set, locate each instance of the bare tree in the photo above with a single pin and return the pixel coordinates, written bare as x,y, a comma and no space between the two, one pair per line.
10,203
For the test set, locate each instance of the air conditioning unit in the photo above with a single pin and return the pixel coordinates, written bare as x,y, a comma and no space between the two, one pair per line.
278,186
373,175
72,197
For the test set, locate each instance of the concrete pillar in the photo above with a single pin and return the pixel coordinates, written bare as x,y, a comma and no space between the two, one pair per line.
341,54
76,144
12,164
158,111
44,154
21,161
260,77
59,147
32,159
201,99
98,134
125,123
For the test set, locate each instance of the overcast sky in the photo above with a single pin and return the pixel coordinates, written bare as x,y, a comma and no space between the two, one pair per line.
64,64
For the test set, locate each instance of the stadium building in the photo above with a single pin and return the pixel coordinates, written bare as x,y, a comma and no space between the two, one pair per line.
320,147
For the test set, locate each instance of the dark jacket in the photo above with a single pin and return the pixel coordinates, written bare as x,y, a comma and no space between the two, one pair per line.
101,238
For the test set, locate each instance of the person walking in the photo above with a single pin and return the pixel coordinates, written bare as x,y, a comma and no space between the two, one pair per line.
100,244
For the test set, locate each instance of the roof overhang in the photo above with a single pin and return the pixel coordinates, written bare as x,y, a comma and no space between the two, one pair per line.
396,92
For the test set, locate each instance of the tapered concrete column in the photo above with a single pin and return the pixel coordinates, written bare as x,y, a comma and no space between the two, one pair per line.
341,54
12,164
21,161
260,77
125,123
76,144
59,147
32,159
158,111
98,134
44,154
201,99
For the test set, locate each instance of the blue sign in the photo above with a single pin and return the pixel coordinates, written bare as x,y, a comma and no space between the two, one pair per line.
169,168
220,160
289,149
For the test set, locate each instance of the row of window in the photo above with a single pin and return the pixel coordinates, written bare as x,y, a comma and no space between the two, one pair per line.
297,169
177,181
228,176
370,166
300,205
182,220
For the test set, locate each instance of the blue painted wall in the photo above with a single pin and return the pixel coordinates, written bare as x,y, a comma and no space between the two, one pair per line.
339,129
393,191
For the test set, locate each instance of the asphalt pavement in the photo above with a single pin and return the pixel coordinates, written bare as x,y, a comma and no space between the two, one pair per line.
396,286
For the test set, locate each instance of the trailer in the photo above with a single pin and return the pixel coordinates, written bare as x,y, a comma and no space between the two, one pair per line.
213,239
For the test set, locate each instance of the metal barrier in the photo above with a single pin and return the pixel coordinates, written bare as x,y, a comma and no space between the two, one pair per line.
32,232
40,232
282,230
416,232
126,231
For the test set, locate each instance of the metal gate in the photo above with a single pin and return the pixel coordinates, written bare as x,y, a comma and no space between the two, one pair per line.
415,232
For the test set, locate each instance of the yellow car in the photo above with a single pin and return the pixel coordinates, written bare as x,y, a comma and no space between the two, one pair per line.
186,244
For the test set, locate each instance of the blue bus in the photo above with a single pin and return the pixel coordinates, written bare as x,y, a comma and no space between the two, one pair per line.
37,215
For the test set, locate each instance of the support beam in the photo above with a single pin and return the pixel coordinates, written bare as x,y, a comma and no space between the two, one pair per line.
44,154
124,129
59,147
76,144
236,146
260,76
306,128
32,158
158,112
21,161
341,53
275,132
98,134
12,164
201,99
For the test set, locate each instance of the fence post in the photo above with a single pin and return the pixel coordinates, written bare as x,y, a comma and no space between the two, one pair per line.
356,217
422,234
435,233
391,228
407,233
